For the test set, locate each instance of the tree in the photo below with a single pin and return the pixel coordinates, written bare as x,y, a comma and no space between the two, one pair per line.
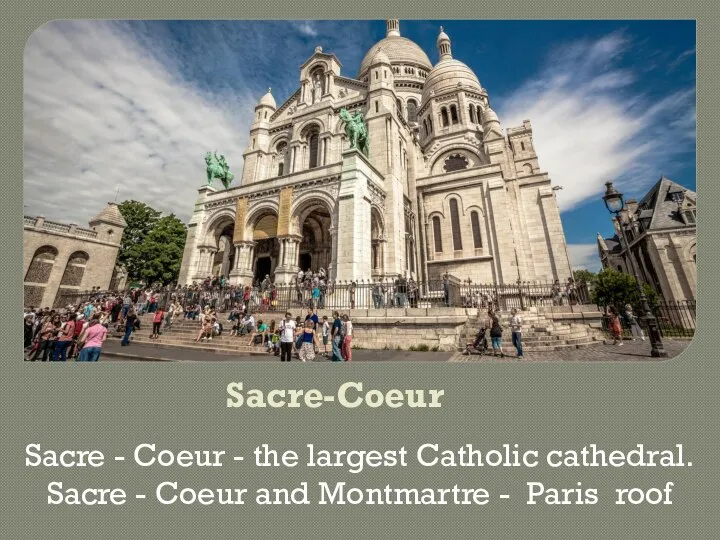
584,276
152,246
162,250
613,288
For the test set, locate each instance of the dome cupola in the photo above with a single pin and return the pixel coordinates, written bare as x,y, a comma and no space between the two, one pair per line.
399,50
448,74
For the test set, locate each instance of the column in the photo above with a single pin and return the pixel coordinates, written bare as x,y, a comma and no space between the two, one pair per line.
281,255
237,258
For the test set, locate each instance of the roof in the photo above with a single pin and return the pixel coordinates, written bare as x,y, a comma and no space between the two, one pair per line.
449,74
399,50
660,208
110,214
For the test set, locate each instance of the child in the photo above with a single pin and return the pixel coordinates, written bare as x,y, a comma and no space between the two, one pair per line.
325,334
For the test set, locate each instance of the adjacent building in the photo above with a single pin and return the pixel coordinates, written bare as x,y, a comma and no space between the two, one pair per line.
60,258
662,239
444,188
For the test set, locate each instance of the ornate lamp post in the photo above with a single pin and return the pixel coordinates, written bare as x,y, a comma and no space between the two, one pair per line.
614,203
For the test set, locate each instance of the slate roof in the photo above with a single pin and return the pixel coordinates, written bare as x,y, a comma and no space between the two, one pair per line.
656,205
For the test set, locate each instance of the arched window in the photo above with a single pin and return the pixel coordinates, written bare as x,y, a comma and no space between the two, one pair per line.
281,167
398,104
453,114
472,113
475,221
430,124
313,150
455,223
411,110
38,274
437,234
444,115
425,126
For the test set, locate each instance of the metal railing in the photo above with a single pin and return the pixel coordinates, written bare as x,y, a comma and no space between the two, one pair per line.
676,319
344,295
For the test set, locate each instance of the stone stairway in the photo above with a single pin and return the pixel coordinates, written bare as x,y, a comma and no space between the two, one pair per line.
540,333
183,333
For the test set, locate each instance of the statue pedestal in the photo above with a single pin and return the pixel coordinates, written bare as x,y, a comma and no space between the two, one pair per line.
240,277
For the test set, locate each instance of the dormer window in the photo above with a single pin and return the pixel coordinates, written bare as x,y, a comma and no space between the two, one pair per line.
689,217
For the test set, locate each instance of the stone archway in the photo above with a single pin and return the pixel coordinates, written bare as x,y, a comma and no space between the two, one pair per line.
216,254
313,221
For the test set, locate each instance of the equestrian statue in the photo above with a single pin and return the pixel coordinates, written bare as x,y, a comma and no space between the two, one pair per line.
355,130
217,167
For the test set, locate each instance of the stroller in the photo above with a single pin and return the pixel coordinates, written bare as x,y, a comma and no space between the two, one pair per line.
479,346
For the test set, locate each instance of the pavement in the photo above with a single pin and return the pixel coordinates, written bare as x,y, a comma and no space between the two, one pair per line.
629,351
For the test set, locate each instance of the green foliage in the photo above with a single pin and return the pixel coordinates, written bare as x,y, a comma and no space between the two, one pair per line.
423,347
585,276
435,348
613,288
152,246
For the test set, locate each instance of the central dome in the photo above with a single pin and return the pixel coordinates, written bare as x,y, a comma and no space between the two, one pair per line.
398,49
448,74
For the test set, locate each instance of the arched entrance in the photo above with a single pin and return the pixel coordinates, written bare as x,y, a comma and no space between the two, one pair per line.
267,247
224,259
315,221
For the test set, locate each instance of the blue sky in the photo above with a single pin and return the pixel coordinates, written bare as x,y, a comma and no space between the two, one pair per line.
135,104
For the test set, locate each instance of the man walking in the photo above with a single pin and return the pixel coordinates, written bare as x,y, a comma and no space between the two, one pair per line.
287,337
336,337
516,326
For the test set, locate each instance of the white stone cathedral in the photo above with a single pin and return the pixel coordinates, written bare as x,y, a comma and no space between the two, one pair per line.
443,189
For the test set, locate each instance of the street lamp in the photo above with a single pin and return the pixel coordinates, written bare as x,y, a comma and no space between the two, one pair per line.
614,203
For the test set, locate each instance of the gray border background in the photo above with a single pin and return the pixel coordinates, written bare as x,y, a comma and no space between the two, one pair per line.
113,407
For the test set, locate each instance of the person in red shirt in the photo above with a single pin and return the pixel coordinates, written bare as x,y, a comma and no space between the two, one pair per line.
64,339
157,322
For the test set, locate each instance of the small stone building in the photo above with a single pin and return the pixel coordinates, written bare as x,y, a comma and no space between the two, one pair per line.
662,237
61,258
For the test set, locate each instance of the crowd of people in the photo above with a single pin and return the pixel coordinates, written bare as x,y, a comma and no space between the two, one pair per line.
493,329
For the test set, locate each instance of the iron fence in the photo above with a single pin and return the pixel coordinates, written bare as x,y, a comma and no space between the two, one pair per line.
676,319
344,295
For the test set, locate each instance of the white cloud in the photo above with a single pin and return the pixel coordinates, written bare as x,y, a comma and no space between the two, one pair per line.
589,127
584,257
306,28
100,112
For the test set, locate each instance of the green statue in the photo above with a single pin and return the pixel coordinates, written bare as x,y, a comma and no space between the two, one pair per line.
217,167
356,130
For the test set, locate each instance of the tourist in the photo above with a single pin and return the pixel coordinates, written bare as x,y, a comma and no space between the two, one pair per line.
308,342
633,323
412,288
287,337
92,338
312,316
615,326
206,331
347,338
127,302
157,323
260,332
247,325
378,291
446,288
47,339
557,293
131,323
325,334
65,337
80,325
351,292
316,295
336,337
28,327
570,291
516,327
496,335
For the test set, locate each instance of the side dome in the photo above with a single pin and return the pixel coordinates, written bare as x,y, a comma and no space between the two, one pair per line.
267,100
448,74
398,49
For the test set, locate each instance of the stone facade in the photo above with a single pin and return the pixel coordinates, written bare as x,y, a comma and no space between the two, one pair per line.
62,258
662,236
443,188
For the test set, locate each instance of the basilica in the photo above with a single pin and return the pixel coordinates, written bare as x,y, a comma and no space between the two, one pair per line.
443,187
